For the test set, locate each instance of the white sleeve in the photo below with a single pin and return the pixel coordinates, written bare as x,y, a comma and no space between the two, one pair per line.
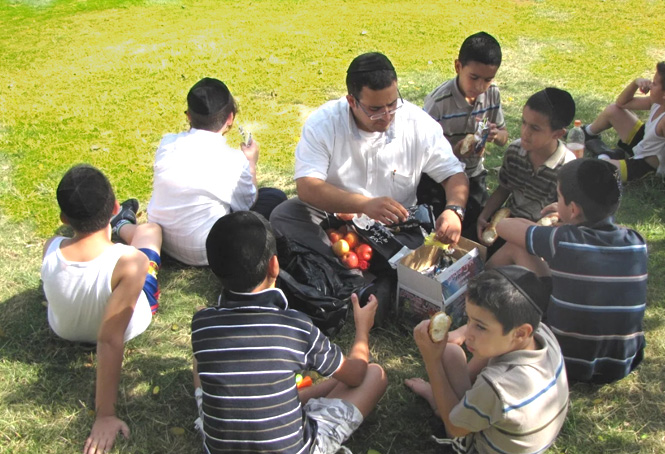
244,194
314,150
440,162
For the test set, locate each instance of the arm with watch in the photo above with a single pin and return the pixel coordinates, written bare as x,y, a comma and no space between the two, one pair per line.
449,222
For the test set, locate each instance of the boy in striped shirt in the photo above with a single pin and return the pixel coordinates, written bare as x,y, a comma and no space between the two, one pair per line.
598,271
250,347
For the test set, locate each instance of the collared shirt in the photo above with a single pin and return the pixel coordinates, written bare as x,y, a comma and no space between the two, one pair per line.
448,106
599,291
390,163
519,401
197,179
531,189
248,351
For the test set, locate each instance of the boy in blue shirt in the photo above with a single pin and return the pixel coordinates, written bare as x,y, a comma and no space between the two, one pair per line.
460,103
598,270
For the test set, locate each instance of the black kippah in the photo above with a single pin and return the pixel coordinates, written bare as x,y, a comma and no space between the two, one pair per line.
236,243
562,104
598,181
372,61
528,284
83,192
208,96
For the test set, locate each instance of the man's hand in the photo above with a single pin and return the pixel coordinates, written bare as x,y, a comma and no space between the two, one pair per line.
386,210
251,151
431,351
448,227
103,434
364,316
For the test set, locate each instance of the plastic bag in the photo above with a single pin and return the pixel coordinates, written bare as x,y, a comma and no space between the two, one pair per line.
316,285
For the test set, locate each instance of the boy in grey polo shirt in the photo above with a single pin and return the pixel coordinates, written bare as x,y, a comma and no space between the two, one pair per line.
512,396
459,103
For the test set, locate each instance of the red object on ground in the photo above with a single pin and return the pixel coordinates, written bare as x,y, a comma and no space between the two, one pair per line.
306,382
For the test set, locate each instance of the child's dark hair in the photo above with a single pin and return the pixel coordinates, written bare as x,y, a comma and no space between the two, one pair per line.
482,48
209,104
513,294
555,104
86,198
372,70
660,68
239,247
593,184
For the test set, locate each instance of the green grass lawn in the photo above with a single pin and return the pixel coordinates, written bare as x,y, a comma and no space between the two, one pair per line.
101,81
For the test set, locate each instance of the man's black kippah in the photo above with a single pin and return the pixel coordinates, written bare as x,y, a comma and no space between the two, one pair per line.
208,96
528,284
236,243
83,192
562,103
372,61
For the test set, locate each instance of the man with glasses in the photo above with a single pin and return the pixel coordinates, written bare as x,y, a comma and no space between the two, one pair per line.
198,177
365,153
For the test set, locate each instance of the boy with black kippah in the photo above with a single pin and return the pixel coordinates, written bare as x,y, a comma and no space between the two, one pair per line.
198,177
97,291
598,270
249,348
527,178
512,395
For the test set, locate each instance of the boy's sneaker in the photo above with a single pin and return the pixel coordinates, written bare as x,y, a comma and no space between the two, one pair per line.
126,215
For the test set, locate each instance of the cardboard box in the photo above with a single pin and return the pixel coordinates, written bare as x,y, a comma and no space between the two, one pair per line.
418,295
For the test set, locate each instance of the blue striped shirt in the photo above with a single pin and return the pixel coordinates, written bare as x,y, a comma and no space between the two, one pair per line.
599,285
248,351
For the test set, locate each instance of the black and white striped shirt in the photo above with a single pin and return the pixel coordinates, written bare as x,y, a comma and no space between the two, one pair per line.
248,351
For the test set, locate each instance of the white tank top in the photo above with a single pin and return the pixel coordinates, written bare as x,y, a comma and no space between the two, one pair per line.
77,294
652,144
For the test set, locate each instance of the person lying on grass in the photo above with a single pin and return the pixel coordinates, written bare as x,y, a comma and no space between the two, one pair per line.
598,272
512,395
248,350
97,291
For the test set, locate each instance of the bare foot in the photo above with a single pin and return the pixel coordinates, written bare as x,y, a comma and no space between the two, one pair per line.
424,390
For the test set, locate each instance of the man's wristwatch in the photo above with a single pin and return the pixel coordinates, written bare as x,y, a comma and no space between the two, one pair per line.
458,210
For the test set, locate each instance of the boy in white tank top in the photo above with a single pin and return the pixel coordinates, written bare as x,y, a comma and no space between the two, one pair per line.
643,142
98,291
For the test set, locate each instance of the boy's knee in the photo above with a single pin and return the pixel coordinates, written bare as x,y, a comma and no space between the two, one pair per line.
152,229
377,376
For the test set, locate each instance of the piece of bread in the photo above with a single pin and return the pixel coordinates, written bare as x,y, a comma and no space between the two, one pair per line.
468,143
549,220
439,324
489,235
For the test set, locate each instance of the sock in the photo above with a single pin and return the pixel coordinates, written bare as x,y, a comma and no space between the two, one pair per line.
588,130
120,224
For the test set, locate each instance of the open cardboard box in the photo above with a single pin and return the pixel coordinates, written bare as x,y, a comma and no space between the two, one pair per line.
419,296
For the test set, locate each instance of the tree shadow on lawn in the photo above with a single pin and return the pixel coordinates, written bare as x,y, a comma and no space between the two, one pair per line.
47,378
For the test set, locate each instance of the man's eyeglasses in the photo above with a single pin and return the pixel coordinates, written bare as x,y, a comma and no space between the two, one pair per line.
376,115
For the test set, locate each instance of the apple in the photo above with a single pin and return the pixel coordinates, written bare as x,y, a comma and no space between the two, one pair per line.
364,251
352,238
350,259
345,216
363,264
333,235
340,248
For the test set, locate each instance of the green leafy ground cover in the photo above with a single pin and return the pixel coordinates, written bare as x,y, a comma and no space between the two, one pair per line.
101,81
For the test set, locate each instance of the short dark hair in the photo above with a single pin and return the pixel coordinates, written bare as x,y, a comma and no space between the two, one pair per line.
556,104
372,70
660,68
86,198
593,184
513,294
209,104
482,48
239,247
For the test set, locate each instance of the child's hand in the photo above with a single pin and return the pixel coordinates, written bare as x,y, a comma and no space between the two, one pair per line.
457,336
430,351
364,316
644,85
481,225
552,208
103,434
251,151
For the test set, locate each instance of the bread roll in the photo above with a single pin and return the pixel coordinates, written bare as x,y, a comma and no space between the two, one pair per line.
548,220
468,143
439,324
489,235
